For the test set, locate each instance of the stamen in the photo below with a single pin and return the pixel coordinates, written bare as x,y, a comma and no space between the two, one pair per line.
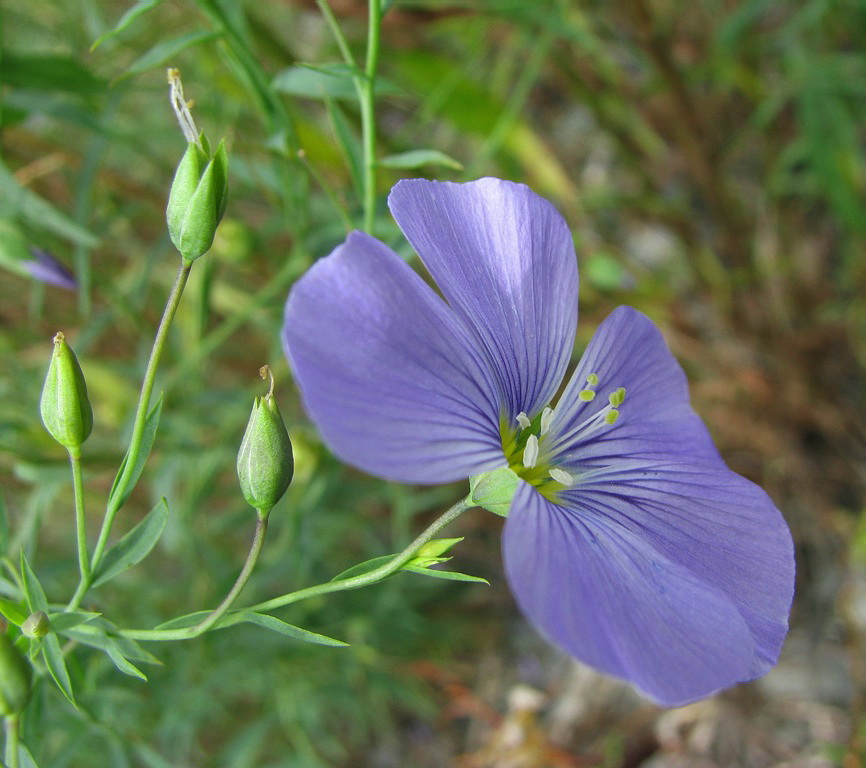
530,453
546,420
561,476
523,420
587,395
617,398
592,379
611,416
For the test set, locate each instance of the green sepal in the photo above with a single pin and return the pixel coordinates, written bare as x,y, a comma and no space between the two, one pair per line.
493,490
197,200
265,461
186,178
65,407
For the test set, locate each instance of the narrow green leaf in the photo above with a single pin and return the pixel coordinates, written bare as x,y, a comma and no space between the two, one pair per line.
289,630
135,546
120,493
191,619
137,10
164,51
25,759
63,621
416,158
124,664
182,622
361,568
13,612
56,664
36,600
450,575
96,635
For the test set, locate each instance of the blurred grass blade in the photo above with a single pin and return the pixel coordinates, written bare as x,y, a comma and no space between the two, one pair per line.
120,493
416,158
331,81
289,630
39,72
135,546
39,213
165,50
137,10
350,146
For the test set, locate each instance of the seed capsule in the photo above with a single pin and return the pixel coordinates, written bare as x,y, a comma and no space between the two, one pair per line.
265,460
65,408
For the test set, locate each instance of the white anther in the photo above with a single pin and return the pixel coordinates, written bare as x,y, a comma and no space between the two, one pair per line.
546,420
530,453
523,420
561,476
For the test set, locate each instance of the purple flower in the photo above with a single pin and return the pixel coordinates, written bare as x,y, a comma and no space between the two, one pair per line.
629,543
45,268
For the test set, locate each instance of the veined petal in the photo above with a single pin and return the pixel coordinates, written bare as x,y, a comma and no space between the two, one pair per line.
655,419
504,259
605,595
387,371
721,528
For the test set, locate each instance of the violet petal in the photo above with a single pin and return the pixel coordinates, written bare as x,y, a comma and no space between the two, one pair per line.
504,259
605,595
387,371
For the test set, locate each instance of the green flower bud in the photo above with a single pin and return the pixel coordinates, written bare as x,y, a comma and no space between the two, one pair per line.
66,411
197,200
265,461
36,625
493,490
16,677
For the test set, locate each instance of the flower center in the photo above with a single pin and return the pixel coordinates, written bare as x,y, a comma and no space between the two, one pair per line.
529,446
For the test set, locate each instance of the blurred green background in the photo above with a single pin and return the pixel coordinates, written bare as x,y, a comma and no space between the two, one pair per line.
709,156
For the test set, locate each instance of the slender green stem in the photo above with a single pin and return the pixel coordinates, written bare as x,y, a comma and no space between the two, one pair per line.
392,566
80,527
252,558
340,38
382,572
125,476
368,112
12,723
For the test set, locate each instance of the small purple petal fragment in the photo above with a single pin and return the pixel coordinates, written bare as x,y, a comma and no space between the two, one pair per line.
45,268
607,596
504,259
387,371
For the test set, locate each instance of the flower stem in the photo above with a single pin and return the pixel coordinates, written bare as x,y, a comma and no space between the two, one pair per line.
125,476
368,114
255,550
11,752
355,582
80,527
